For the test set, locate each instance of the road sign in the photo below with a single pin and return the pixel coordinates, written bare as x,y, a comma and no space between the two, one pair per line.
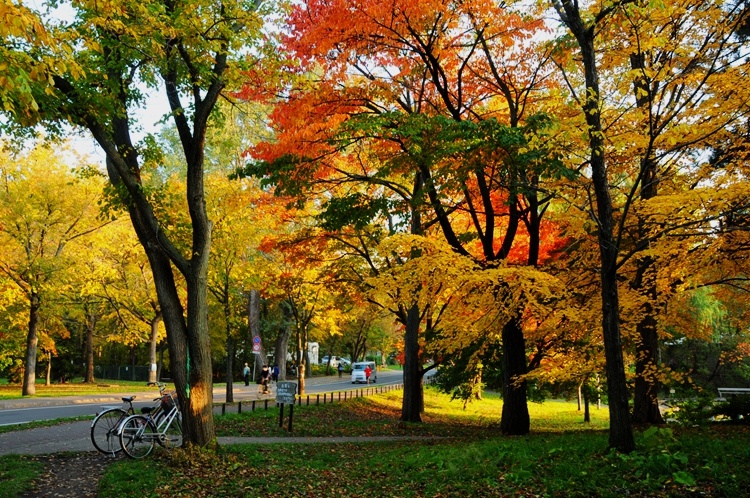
285,392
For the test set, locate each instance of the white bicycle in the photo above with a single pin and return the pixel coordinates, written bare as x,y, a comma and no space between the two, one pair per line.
139,433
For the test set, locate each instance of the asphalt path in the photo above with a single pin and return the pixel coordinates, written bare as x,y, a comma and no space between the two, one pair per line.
75,436
36,409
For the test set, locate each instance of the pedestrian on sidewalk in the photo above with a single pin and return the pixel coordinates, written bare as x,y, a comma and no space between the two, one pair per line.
341,369
368,371
246,374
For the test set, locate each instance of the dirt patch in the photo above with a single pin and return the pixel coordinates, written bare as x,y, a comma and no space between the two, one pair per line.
69,476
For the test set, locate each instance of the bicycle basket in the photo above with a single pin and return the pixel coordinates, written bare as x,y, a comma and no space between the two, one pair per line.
168,401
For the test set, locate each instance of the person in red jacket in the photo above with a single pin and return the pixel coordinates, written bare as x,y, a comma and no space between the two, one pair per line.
368,371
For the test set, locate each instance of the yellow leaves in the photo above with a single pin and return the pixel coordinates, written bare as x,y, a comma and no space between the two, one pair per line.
18,21
463,301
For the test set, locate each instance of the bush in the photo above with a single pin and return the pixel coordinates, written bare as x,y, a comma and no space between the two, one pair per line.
697,410
736,408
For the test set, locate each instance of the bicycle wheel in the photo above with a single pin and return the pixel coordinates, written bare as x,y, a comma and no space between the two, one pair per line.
137,436
172,435
104,430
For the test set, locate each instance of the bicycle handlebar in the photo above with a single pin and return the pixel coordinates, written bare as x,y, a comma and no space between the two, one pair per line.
161,385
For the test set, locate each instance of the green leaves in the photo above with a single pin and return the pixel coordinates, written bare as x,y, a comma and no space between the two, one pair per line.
354,210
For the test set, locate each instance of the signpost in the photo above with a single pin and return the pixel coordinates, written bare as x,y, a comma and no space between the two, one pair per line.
256,350
286,393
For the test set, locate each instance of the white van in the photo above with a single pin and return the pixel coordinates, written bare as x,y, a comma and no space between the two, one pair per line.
358,372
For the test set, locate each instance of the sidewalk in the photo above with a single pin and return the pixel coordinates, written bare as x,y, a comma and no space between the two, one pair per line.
75,437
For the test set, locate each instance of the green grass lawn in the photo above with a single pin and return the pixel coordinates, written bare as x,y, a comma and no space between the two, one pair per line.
465,455
75,388
562,457
17,473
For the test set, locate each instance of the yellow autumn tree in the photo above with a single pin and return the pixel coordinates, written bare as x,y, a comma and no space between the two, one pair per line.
38,227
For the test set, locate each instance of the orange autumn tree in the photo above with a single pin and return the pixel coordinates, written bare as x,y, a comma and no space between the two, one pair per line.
420,100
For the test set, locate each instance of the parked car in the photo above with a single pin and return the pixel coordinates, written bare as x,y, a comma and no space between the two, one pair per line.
358,371
334,361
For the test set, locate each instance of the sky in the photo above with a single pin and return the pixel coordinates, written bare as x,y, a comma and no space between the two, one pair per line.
148,116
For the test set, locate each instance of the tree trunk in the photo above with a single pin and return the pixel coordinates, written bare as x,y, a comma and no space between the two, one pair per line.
253,320
301,378
189,342
413,400
174,323
48,380
90,325
229,393
152,370
201,419
515,419
586,411
646,399
29,373
160,368
620,428
230,368
646,396
282,341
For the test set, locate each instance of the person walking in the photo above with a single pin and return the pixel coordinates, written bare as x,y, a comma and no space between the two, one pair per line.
275,373
246,374
341,369
368,371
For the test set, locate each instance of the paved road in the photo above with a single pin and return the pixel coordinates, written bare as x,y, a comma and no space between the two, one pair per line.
17,411
75,436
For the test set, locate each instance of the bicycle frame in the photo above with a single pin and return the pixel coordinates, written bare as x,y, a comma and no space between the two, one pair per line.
106,424
165,421
138,433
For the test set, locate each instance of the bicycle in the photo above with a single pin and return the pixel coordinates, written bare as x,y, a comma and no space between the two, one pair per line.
138,433
105,425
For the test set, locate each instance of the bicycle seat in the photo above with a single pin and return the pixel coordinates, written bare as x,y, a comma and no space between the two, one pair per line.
129,399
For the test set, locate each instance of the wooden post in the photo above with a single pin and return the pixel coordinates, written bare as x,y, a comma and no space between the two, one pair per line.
239,407
223,408
291,415
317,399
281,414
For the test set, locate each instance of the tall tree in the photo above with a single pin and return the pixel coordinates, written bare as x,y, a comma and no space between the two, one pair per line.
440,131
190,50
38,224
585,33
680,75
